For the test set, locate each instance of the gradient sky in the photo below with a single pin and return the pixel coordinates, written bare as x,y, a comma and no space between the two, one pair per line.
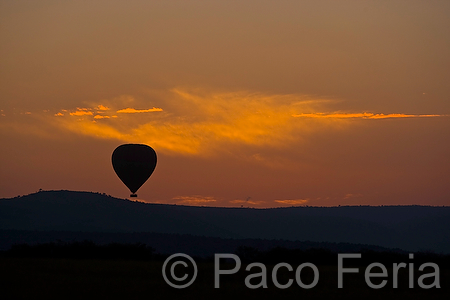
253,103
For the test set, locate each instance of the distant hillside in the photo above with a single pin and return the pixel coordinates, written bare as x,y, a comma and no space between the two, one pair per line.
411,228
167,243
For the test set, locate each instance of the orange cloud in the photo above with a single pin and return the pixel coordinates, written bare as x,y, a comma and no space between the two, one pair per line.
86,111
133,111
102,107
198,122
82,112
103,117
364,115
293,201
194,200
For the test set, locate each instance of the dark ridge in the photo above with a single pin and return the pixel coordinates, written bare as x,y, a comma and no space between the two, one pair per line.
173,243
410,228
118,251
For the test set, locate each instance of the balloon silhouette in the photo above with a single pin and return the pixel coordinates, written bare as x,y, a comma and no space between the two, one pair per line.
134,163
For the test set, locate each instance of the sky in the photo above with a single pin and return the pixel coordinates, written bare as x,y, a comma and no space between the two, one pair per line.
246,103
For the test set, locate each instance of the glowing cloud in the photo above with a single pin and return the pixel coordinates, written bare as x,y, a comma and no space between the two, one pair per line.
82,112
196,122
199,122
293,201
133,111
103,117
364,115
194,200
102,108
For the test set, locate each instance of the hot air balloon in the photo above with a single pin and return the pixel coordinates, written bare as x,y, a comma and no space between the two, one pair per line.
134,163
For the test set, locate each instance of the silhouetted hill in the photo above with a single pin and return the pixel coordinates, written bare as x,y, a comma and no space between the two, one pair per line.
167,243
411,228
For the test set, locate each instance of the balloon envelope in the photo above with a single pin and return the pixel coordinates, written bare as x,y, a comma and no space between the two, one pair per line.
134,163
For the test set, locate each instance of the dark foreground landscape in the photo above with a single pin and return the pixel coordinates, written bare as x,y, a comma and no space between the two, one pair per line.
79,245
34,278
410,228
84,270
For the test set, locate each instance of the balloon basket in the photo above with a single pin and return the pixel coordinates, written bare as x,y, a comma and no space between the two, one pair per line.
133,195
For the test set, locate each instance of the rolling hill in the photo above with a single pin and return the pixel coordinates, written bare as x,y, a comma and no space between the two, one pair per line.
411,228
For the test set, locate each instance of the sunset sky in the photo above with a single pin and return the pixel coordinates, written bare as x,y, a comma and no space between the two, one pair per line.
253,103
